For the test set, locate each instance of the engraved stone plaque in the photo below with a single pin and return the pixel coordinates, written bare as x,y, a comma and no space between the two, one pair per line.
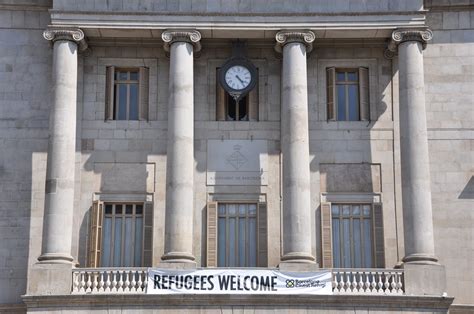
237,162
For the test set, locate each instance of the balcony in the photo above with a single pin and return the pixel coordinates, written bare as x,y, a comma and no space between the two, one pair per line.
134,281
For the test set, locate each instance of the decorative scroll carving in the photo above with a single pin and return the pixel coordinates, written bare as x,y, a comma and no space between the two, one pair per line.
402,35
284,37
71,34
193,37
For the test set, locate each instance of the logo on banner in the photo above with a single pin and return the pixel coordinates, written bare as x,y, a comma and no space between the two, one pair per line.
290,283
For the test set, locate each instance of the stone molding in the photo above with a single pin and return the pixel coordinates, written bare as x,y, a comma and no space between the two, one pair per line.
402,35
192,36
71,34
285,37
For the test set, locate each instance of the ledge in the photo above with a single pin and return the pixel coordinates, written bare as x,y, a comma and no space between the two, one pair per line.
274,301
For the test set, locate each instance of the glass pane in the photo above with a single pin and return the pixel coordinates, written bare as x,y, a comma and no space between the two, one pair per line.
336,250
106,242
353,102
133,102
118,209
252,242
366,210
231,242
134,76
340,76
367,244
243,109
108,209
221,209
122,75
335,209
230,108
356,210
118,242
341,102
139,209
232,209
138,240
221,241
252,209
128,247
357,243
242,209
242,245
122,102
352,76
129,209
346,243
346,210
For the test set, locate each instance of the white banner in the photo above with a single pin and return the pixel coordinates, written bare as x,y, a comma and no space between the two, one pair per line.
237,281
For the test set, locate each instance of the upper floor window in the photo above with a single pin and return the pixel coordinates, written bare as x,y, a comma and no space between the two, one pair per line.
236,234
120,235
227,109
127,93
348,94
352,235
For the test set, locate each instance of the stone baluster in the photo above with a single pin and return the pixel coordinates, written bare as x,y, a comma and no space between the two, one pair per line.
180,150
297,231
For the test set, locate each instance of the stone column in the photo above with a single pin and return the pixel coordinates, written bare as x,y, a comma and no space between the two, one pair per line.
297,232
180,149
57,228
416,190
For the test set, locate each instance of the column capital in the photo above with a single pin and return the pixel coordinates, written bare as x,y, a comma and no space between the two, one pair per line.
422,35
304,36
190,36
71,34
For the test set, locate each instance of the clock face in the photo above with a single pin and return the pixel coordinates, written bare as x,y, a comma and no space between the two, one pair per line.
238,77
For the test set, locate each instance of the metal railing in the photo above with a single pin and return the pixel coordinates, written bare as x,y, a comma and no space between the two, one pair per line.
134,281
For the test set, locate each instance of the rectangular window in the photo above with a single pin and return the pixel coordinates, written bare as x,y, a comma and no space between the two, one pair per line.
347,94
227,109
120,235
352,235
127,93
236,234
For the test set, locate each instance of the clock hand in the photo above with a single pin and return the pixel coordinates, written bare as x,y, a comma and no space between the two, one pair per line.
240,79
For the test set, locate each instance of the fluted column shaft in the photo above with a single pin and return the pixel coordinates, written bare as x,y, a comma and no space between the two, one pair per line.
180,149
59,199
295,147
416,190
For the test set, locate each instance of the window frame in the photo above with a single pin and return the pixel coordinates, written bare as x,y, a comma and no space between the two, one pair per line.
124,215
347,99
238,217
320,81
116,91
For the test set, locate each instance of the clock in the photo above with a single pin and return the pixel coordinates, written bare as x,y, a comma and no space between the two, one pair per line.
238,76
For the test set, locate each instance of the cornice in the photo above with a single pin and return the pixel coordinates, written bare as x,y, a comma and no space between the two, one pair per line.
71,34
171,36
422,35
285,37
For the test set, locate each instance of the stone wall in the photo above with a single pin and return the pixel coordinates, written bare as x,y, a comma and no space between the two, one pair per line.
449,81
25,70
240,6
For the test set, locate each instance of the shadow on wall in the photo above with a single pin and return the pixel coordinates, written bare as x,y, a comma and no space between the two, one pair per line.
468,191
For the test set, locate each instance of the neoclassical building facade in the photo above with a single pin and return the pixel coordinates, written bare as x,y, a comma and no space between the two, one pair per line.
215,135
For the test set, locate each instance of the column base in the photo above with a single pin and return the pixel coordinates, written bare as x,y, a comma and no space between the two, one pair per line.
55,258
50,279
420,258
298,261
178,260
424,279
